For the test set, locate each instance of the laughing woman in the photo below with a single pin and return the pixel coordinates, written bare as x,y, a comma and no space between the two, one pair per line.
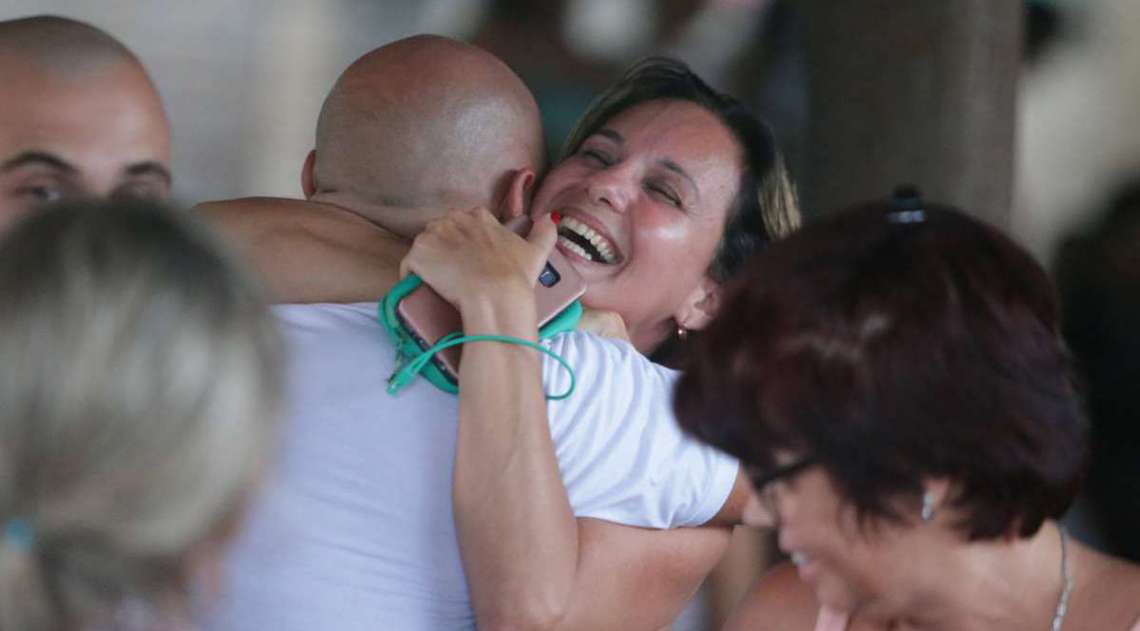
895,381
667,187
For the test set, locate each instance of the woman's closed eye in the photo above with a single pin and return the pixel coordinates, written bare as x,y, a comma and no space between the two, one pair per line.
666,193
597,156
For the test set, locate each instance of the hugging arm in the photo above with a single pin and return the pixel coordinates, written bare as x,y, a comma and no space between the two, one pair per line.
634,578
306,255
529,562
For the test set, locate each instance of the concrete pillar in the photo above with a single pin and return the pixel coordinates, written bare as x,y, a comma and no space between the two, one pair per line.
917,91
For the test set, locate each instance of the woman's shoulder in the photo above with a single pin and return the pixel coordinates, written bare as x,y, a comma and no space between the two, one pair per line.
607,363
779,601
1111,592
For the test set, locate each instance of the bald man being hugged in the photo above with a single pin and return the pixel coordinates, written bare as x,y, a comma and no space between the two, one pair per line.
81,118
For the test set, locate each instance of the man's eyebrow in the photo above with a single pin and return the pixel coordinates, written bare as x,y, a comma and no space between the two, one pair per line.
150,167
38,157
676,168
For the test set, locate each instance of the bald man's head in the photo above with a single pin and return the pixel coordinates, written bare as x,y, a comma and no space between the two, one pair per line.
81,117
426,122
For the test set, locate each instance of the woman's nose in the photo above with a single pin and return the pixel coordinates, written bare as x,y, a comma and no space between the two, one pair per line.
613,187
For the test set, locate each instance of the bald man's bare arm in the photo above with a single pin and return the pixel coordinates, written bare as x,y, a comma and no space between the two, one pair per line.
307,252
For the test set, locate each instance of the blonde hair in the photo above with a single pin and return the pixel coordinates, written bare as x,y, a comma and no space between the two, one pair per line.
140,382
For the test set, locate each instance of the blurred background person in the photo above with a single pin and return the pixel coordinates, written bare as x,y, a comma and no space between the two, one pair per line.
80,118
530,37
895,379
1079,104
140,384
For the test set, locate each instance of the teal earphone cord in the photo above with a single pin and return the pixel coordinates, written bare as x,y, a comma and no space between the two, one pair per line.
413,359
408,371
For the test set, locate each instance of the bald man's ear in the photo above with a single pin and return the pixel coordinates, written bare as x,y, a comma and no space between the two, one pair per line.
520,189
308,180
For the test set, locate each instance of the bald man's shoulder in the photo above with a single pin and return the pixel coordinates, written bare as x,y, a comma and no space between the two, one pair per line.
308,251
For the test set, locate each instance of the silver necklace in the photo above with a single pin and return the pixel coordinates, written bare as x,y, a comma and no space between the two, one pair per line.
1067,583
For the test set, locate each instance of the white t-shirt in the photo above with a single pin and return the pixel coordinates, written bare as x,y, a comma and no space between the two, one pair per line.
354,527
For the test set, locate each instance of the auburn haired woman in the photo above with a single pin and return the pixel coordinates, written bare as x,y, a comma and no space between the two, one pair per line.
894,380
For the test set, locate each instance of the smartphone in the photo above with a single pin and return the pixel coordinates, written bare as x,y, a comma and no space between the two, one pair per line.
429,317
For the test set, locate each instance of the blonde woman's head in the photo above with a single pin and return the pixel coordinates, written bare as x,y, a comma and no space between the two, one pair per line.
139,379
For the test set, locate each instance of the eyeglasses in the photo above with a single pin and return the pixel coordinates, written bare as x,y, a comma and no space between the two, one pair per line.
764,483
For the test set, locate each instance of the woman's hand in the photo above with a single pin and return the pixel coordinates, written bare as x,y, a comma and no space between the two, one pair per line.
469,258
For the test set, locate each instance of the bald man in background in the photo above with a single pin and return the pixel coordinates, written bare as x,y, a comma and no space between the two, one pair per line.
79,117
355,529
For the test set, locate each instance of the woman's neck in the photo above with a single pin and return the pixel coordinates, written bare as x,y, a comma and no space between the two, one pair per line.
647,338
982,586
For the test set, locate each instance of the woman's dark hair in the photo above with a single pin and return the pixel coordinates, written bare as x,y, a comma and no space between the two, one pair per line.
893,347
765,207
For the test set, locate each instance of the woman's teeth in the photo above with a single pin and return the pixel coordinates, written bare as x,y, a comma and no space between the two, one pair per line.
585,241
575,248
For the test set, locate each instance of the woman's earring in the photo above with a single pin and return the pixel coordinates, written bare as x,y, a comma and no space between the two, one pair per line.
682,333
927,506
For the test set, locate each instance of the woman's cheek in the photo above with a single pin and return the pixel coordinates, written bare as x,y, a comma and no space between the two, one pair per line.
656,225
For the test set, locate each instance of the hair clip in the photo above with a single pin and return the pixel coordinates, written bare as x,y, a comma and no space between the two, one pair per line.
907,202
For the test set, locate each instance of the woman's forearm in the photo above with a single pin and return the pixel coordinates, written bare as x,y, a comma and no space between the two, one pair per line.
517,534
